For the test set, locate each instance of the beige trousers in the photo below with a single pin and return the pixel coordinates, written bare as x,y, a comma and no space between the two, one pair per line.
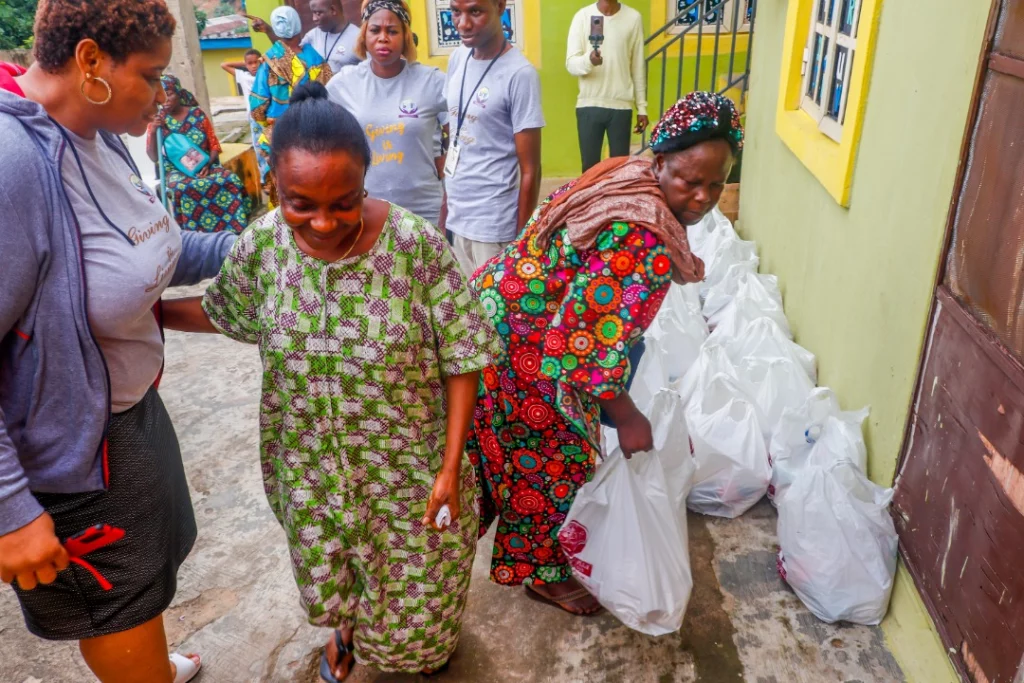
471,254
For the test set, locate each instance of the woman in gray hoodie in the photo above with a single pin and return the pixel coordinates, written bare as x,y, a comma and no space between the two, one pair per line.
95,515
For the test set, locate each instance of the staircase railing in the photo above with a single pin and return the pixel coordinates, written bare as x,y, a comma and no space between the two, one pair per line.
700,18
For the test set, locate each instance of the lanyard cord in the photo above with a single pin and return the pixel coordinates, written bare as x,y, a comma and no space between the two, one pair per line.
88,185
328,53
461,118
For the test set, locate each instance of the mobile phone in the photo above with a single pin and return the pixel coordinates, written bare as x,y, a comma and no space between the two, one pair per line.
92,539
597,27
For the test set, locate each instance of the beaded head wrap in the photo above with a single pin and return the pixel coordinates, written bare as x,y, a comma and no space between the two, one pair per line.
698,117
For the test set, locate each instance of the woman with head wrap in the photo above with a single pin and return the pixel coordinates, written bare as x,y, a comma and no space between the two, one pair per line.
205,196
401,107
286,65
571,298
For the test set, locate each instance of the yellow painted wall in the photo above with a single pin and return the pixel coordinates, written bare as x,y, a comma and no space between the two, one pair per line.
262,9
858,282
219,82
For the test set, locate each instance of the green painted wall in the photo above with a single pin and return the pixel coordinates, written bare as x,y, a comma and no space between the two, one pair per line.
561,154
261,9
858,282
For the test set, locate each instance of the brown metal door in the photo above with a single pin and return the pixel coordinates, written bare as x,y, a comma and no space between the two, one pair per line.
959,504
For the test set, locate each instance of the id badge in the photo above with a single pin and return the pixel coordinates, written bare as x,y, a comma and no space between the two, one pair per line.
452,161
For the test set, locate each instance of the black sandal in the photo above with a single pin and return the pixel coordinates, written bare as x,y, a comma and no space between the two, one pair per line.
326,672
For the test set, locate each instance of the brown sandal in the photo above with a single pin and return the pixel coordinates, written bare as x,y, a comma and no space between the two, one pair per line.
563,601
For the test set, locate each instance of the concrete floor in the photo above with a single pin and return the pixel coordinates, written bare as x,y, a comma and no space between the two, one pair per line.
238,607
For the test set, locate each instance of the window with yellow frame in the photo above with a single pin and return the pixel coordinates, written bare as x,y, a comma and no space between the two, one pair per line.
726,13
827,54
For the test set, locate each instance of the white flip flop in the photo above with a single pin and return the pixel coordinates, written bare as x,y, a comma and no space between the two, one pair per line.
186,668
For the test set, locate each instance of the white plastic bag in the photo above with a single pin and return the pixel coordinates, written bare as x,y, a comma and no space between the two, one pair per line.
728,253
677,340
673,342
649,378
705,237
712,360
752,301
728,287
838,543
682,302
816,427
778,384
625,536
763,338
728,447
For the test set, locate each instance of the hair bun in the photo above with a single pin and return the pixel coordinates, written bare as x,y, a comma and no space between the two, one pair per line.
309,91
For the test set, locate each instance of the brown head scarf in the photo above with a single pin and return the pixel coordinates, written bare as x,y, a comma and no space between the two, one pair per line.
620,189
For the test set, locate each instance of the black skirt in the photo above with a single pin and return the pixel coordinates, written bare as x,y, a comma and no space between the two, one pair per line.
148,498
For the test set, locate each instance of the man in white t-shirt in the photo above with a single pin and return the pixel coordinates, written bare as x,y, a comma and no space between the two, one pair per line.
332,36
492,174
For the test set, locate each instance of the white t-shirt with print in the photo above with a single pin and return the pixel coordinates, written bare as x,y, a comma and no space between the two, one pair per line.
402,118
130,246
339,49
483,195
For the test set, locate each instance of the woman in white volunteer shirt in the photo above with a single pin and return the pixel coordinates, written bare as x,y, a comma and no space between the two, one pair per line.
401,107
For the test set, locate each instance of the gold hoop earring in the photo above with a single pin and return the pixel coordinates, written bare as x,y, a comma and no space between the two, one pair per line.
97,79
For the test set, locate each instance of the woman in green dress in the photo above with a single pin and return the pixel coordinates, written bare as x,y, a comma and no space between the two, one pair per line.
372,348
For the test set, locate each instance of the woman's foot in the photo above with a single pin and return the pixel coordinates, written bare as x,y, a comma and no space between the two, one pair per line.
569,595
338,658
433,672
184,667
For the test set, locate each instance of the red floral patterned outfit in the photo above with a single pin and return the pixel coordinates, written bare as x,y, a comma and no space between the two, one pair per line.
568,319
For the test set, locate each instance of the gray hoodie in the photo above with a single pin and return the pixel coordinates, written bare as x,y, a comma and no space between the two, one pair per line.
54,388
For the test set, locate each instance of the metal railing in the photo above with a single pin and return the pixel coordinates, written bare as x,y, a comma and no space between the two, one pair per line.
702,18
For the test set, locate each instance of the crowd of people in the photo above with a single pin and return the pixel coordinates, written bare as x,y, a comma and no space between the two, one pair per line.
438,349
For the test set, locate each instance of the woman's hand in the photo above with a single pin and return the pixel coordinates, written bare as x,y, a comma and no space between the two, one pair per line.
258,24
32,554
635,435
186,315
446,492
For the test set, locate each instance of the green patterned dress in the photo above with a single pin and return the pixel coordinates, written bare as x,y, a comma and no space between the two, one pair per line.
352,425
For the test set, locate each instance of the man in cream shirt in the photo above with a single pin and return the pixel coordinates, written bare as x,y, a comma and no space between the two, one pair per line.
613,78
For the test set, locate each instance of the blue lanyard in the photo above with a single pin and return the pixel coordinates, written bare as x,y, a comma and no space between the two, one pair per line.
328,53
461,117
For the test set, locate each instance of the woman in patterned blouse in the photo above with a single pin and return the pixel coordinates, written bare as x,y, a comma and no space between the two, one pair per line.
372,348
571,298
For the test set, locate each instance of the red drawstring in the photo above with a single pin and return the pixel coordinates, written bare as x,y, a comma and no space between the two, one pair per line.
104,584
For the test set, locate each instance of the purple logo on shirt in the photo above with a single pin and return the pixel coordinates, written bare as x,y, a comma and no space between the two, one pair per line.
482,95
408,109
137,183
